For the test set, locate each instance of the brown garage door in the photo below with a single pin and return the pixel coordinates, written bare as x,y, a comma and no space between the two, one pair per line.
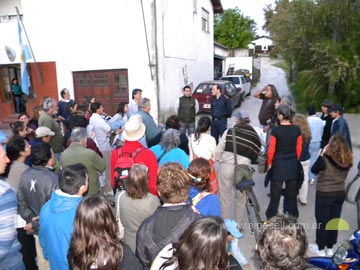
110,87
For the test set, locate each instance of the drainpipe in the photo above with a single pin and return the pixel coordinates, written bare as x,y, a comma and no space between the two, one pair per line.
157,61
154,77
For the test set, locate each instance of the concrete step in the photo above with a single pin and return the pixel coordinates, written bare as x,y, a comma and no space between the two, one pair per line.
5,123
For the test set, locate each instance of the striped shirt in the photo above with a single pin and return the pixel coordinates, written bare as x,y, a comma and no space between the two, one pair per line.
10,255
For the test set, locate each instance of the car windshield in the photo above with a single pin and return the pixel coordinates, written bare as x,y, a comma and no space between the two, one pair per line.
234,80
204,88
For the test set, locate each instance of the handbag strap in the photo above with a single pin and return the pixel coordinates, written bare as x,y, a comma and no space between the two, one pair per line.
161,156
191,147
118,205
199,197
234,144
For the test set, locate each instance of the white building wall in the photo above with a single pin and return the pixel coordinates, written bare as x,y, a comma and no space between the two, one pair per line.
220,51
185,52
85,35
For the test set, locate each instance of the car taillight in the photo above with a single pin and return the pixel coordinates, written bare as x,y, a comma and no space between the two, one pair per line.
343,266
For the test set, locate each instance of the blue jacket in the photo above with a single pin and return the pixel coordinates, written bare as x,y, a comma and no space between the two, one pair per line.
220,108
208,206
174,155
340,127
56,226
152,130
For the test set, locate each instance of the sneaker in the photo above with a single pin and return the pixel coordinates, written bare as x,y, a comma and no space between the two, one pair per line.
329,252
315,249
108,193
311,181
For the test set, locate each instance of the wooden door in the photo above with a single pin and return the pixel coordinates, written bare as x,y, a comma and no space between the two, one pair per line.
109,87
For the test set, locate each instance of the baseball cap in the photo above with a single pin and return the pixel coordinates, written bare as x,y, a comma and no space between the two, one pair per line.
233,228
241,114
43,131
337,108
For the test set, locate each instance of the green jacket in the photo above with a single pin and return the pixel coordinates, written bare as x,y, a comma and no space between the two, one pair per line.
56,142
16,89
77,153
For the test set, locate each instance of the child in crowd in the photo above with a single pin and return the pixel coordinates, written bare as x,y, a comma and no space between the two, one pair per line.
234,251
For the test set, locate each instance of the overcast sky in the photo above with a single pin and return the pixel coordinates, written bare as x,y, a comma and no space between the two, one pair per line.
252,9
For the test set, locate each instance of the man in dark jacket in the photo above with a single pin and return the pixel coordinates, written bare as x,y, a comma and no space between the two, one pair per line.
187,107
220,111
36,186
168,222
326,117
339,124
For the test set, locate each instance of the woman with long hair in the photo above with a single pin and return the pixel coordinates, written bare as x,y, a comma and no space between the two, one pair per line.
203,246
332,168
17,93
136,204
87,103
120,118
30,127
206,203
203,145
17,151
301,121
283,159
95,243
34,121
269,95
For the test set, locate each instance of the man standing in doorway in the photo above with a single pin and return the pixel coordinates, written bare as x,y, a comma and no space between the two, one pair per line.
133,104
220,111
187,108
66,106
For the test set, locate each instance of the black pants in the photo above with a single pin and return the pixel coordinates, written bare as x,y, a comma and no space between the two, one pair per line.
218,128
291,191
28,249
327,208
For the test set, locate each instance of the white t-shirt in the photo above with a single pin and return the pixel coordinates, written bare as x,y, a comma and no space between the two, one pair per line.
102,131
203,147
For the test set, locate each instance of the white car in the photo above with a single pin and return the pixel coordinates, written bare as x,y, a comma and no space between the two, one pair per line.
240,82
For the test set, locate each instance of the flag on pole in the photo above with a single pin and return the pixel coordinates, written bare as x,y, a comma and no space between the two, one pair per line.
25,55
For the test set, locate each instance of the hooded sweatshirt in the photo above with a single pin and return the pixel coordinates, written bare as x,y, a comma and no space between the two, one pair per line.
56,226
331,176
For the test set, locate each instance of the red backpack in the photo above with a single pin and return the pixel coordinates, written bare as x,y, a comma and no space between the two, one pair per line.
123,164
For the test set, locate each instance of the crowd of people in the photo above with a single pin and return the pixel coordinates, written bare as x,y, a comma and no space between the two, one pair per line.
78,173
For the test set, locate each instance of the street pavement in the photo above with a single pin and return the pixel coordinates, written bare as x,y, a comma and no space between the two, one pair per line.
276,76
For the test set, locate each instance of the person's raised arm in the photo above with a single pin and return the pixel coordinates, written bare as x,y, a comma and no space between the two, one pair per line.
258,93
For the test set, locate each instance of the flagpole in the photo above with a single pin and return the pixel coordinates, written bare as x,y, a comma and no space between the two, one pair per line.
38,73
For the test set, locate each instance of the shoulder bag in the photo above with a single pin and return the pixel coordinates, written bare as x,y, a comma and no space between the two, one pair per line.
241,171
118,220
262,160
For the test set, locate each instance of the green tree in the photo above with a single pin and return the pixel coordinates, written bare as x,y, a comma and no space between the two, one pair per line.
321,42
233,29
